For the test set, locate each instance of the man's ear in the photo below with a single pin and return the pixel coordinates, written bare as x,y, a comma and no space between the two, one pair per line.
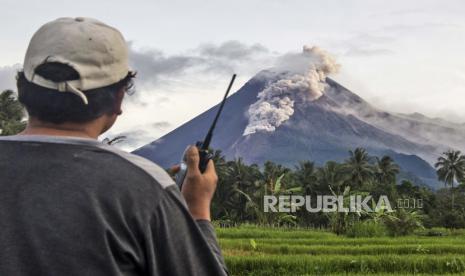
119,101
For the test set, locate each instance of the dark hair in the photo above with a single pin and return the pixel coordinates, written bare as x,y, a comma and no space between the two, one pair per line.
49,105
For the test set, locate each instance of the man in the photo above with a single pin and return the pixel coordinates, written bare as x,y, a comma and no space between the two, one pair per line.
70,205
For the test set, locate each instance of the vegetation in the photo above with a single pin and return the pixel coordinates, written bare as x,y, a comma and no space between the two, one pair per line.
114,140
407,241
11,114
239,198
253,250
451,169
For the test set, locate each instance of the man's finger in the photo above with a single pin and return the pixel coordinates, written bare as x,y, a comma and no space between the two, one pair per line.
174,169
210,167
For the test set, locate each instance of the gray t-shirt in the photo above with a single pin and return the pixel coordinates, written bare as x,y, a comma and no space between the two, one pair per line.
72,206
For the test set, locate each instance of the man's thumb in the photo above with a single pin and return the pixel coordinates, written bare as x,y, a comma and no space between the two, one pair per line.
192,160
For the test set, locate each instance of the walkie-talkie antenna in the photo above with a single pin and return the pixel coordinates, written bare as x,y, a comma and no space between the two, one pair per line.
204,155
206,141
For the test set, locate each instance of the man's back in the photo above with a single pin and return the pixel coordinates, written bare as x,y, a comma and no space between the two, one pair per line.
76,207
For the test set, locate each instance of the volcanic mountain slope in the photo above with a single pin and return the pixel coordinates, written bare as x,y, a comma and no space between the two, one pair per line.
319,130
439,133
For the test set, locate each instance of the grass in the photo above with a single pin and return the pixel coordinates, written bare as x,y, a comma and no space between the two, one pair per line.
251,250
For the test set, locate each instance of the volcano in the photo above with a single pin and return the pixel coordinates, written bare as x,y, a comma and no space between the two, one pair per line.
319,130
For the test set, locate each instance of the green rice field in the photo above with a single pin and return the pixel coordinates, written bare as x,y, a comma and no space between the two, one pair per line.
252,250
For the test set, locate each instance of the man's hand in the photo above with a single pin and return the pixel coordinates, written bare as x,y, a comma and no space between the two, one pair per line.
198,189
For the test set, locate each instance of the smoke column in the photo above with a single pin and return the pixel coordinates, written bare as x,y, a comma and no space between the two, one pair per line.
307,75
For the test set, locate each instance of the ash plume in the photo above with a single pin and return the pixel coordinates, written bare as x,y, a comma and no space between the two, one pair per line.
306,76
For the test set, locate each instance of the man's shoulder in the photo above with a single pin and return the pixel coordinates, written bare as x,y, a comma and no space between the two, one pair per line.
147,166
88,151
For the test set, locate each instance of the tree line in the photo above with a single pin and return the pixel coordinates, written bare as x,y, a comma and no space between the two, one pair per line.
242,187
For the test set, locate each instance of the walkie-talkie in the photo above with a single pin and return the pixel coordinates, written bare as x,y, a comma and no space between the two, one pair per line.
205,155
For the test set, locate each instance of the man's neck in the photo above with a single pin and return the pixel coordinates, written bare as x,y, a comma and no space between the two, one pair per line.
36,127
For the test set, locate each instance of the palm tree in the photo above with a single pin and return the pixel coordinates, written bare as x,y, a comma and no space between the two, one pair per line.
385,175
332,175
220,163
271,173
358,167
11,114
306,176
115,140
451,168
234,194
386,170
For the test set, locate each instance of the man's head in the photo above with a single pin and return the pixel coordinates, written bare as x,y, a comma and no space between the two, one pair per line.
75,72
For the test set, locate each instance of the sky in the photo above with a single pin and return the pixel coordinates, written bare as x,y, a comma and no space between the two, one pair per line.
402,56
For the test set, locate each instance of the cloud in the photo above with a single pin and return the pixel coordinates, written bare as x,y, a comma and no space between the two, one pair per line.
370,39
406,12
364,45
411,28
385,39
231,50
7,77
154,67
366,52
140,135
161,125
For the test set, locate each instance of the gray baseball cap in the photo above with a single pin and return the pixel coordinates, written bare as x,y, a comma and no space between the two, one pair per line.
98,52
